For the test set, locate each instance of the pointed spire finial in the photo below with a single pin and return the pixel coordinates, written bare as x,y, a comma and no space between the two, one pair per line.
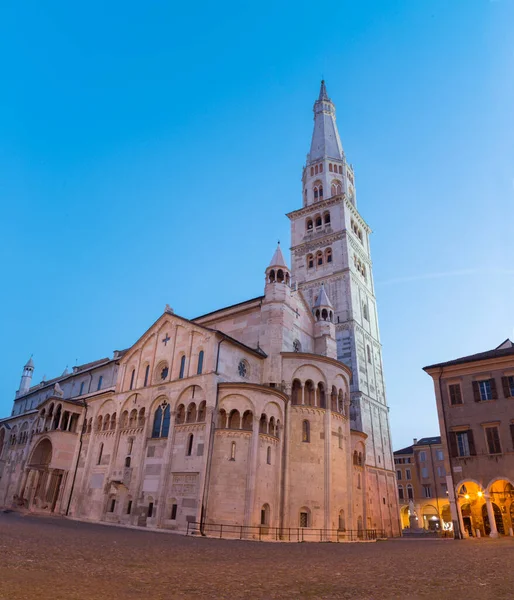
323,91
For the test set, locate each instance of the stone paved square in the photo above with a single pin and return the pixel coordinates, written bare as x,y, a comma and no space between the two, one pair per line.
51,557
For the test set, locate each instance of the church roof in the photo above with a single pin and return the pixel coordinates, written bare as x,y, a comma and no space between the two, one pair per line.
278,259
506,348
322,299
325,137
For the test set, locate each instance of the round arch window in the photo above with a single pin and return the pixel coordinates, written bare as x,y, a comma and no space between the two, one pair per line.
242,368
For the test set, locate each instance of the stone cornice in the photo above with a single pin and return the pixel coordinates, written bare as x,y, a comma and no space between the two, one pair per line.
271,439
233,432
306,210
308,410
189,426
318,357
357,433
256,387
353,210
357,247
326,240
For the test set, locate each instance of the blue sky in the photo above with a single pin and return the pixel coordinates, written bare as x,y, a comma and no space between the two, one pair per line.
148,154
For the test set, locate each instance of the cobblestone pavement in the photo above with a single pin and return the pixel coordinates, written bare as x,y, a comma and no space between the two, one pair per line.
51,557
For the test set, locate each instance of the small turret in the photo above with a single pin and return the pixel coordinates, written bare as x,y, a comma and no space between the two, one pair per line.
324,328
278,271
26,378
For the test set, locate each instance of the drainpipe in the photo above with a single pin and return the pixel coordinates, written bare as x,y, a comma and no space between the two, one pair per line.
78,458
456,523
211,446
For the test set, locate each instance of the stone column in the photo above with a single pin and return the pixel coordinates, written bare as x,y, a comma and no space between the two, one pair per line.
253,455
490,514
166,471
327,524
463,530
303,394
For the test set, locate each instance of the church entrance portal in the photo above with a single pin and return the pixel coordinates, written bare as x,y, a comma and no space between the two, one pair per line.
43,484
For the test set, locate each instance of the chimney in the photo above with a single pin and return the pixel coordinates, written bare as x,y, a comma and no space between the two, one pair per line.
415,441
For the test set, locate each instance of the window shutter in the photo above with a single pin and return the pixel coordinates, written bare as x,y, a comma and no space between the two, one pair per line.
494,391
476,391
453,444
471,443
506,387
512,433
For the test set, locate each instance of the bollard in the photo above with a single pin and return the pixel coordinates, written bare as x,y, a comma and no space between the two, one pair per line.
478,533
511,533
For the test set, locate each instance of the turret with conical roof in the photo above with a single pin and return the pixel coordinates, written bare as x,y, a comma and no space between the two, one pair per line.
26,378
278,271
324,328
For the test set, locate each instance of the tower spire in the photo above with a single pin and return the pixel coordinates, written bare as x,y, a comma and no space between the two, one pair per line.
26,377
323,92
325,137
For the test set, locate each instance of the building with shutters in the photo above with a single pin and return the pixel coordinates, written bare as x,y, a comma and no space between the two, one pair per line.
270,413
422,489
475,404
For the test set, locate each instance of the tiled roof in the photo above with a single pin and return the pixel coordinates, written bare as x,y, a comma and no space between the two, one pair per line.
499,352
408,450
429,440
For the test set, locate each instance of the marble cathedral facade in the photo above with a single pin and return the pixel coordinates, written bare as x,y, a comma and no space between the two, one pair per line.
268,413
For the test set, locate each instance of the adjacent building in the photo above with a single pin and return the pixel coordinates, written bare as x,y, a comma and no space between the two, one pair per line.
422,489
475,404
269,413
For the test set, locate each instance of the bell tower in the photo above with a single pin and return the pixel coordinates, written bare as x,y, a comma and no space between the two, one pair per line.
330,248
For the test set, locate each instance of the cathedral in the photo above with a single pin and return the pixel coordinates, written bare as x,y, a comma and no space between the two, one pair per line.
270,413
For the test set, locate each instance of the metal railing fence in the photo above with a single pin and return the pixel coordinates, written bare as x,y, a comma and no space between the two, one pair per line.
282,534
